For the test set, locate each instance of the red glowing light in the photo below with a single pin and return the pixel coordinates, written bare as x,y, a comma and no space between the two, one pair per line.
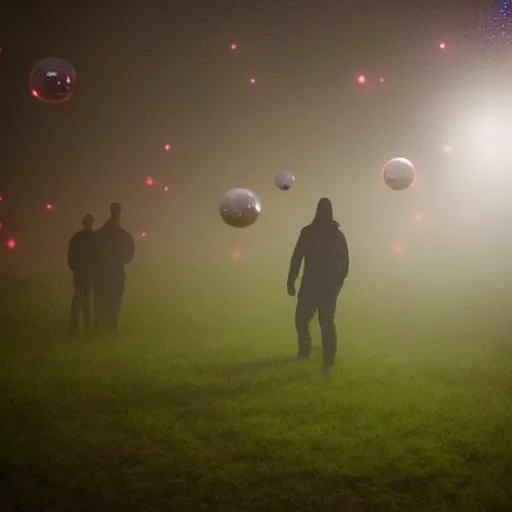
149,181
167,148
442,46
49,207
35,94
418,217
11,243
252,81
1,198
1,225
398,249
234,46
236,256
143,234
381,79
166,188
361,79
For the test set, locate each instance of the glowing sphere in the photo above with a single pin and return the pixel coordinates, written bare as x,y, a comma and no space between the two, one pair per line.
11,243
234,46
361,79
149,181
398,174
240,208
167,148
442,46
52,80
285,180
252,81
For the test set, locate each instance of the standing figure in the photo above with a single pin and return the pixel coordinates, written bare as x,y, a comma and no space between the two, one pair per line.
115,248
81,263
324,248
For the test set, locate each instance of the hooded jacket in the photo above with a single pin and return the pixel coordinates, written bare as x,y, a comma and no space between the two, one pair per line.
324,249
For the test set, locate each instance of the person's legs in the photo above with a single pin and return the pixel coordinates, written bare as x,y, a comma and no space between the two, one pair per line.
75,306
86,305
99,305
304,312
326,313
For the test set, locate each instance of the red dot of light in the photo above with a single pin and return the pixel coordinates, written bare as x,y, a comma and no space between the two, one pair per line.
361,79
49,207
381,79
166,188
1,225
252,80
149,181
237,256
167,148
442,46
398,249
234,46
35,93
11,243
143,234
1,198
418,217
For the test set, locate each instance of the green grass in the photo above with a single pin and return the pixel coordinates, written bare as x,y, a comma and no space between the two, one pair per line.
198,405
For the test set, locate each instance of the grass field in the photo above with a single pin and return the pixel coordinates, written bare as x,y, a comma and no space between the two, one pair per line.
200,406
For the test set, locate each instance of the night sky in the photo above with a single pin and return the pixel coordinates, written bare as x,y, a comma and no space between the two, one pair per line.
163,72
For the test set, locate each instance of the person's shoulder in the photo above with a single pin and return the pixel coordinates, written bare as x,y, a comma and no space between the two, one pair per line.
75,237
126,234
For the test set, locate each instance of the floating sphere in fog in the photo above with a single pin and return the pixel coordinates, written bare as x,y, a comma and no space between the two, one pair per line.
240,208
285,180
398,174
52,80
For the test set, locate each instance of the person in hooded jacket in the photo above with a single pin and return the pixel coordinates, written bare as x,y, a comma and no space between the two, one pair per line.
80,262
115,248
324,249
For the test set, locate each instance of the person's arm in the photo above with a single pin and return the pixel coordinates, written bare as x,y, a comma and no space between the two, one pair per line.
342,256
129,249
72,255
295,263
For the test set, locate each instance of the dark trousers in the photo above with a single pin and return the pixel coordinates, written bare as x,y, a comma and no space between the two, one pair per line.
108,297
309,302
81,302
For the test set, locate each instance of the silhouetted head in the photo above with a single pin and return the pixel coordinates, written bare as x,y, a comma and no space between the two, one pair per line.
115,211
88,221
324,212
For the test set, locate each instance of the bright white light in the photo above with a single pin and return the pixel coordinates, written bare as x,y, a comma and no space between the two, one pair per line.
491,137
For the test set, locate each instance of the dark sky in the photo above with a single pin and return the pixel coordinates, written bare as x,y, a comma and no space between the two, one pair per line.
158,72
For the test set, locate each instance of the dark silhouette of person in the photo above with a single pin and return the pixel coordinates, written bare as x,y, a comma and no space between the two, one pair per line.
115,248
81,263
325,252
